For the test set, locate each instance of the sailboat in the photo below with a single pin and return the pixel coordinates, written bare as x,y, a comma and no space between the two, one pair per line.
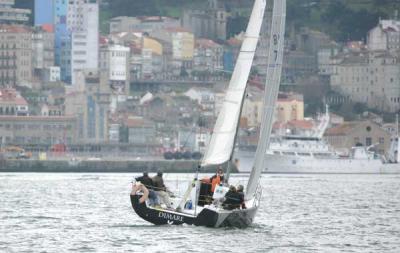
222,143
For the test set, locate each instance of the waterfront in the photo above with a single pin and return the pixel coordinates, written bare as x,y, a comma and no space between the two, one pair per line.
299,213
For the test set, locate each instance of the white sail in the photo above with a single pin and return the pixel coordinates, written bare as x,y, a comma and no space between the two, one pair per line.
274,70
221,144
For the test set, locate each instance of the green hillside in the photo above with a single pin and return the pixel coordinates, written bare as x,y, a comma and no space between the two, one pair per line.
342,19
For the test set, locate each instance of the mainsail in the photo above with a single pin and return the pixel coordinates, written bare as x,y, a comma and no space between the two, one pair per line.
221,144
274,70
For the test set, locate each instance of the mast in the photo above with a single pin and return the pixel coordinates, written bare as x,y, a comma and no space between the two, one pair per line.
274,70
222,140
323,124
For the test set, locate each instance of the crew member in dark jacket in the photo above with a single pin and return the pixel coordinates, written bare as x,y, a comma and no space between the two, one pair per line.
145,180
240,191
148,183
233,199
160,189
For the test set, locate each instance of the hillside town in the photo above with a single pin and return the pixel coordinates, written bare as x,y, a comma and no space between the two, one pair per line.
154,84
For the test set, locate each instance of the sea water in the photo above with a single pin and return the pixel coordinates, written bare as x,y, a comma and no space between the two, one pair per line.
298,213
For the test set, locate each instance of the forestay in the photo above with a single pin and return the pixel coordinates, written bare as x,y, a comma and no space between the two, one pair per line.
274,69
221,144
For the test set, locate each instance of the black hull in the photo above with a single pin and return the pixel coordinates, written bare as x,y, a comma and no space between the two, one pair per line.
240,218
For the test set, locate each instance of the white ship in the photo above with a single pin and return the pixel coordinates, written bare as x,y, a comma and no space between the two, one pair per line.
311,154
392,163
295,154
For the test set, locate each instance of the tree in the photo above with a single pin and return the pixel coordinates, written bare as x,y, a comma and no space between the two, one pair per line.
133,8
236,25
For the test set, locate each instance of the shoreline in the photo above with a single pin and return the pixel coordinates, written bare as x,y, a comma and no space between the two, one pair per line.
56,166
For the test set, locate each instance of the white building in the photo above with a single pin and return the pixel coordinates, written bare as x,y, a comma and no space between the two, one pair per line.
115,60
208,55
52,74
83,22
369,77
43,48
325,66
386,35
142,23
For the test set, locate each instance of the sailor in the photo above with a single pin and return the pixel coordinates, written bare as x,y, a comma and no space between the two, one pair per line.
240,191
160,189
233,199
146,181
205,196
139,187
217,179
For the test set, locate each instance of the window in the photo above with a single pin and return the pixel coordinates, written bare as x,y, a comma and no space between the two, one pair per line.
381,140
368,141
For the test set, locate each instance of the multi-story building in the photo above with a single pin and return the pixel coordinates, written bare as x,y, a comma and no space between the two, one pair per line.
141,131
151,58
83,23
290,107
62,36
15,55
33,130
261,57
43,55
325,66
115,60
76,34
43,47
146,24
89,101
182,48
208,56
252,108
182,43
209,23
10,15
365,133
12,103
51,74
385,36
370,77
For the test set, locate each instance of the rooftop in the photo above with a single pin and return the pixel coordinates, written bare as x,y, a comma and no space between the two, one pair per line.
11,96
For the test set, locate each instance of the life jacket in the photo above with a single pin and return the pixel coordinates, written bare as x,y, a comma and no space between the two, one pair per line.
215,180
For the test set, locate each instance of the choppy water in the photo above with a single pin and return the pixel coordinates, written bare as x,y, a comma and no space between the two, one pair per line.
306,213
